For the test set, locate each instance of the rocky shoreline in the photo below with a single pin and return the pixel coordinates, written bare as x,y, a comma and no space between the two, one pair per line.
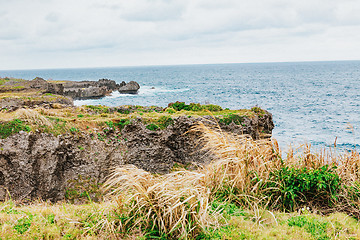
17,93
73,89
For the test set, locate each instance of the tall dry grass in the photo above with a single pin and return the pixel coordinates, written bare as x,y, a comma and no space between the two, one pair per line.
178,205
239,159
243,167
33,117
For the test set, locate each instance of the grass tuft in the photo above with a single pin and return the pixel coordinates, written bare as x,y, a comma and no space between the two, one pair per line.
175,205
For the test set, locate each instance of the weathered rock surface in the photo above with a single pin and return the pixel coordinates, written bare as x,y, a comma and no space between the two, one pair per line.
41,165
129,88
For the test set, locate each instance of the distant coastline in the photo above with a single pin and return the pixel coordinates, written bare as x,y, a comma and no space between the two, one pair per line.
311,101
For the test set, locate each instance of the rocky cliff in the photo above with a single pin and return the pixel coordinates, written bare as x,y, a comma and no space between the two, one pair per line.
72,165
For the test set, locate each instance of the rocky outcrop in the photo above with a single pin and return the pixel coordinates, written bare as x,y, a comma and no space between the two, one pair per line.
89,89
85,93
40,165
47,87
73,89
101,88
129,88
35,101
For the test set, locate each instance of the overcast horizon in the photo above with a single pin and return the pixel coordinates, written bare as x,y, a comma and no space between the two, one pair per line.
170,65
48,34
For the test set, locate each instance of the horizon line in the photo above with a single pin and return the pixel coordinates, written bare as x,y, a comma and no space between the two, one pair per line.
181,64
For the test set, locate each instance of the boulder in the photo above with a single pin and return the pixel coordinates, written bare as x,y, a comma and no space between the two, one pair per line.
131,87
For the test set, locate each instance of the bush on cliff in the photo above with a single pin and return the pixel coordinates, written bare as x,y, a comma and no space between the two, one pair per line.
195,107
289,187
9,128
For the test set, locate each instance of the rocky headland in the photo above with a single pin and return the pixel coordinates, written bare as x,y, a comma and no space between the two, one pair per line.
59,154
52,150
15,93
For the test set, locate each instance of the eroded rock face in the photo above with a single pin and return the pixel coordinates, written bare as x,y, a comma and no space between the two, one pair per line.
41,165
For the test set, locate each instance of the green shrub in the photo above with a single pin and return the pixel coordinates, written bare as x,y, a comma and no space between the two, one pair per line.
170,110
213,108
195,107
178,106
290,187
110,124
9,128
152,127
122,123
165,121
229,118
258,111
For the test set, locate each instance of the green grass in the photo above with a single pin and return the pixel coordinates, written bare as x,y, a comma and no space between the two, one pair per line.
100,221
9,128
85,119
317,228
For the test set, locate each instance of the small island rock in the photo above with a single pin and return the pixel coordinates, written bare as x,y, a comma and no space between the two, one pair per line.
131,87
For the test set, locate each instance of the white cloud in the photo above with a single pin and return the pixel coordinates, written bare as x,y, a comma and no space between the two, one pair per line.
48,33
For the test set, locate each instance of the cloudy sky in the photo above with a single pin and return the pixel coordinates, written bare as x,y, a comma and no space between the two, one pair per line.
99,33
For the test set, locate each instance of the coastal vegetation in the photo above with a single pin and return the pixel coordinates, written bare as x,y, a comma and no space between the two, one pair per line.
58,120
251,190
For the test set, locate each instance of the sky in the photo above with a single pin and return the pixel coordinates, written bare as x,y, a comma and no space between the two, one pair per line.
42,34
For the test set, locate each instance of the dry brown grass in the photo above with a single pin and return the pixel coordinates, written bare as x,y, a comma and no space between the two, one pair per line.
243,165
239,160
176,205
32,117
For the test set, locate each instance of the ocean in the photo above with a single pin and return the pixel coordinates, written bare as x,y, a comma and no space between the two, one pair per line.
311,102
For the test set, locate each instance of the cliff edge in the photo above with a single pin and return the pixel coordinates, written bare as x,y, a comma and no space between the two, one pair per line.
67,153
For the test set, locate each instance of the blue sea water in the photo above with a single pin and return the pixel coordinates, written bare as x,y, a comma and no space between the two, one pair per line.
312,102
